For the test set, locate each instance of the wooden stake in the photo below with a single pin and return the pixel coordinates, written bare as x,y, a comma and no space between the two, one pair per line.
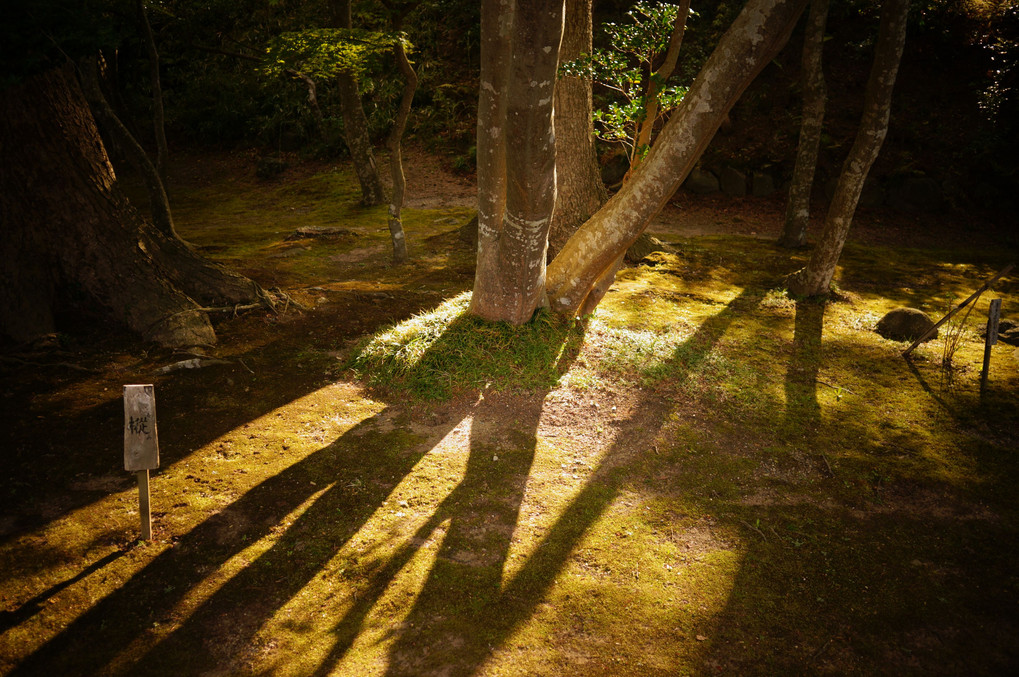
144,508
987,285
993,317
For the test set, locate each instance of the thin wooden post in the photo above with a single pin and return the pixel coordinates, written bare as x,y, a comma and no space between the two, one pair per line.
975,295
144,507
993,317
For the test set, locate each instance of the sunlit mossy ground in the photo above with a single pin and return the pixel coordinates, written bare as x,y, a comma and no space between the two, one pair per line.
706,476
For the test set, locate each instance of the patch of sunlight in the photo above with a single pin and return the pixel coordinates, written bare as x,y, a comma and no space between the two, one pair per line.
406,342
371,584
562,471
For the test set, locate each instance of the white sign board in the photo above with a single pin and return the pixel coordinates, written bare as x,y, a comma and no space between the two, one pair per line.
141,446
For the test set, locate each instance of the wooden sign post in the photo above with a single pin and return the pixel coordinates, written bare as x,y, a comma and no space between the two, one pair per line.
993,318
141,445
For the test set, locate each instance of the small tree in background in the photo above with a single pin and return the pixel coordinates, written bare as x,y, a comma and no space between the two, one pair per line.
815,279
339,54
326,53
643,95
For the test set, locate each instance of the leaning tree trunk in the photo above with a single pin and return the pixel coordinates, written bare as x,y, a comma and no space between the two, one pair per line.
69,233
355,124
797,217
815,278
579,188
753,40
516,156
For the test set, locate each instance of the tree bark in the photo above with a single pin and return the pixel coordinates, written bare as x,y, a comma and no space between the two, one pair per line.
516,156
815,279
753,40
70,234
158,118
355,124
797,217
579,188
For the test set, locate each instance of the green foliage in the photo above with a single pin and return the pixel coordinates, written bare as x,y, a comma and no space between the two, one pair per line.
324,53
636,47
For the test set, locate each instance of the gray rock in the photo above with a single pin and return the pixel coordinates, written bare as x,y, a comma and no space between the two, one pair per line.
701,181
905,324
762,184
1008,332
733,182
873,194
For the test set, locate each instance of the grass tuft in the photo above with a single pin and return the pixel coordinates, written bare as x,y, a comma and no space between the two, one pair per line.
446,351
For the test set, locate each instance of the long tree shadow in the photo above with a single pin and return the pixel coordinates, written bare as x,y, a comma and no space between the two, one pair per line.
466,610
803,412
335,490
150,597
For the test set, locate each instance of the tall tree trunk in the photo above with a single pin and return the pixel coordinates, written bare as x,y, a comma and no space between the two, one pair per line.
355,124
815,278
579,188
516,155
158,123
69,233
410,83
797,217
753,40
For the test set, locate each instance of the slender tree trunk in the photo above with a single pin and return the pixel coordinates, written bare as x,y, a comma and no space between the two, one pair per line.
70,234
410,83
579,188
516,155
815,94
654,84
355,124
128,146
309,83
158,117
643,140
815,278
753,40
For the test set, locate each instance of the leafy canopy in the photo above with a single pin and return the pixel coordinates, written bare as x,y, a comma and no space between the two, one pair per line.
624,69
324,53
